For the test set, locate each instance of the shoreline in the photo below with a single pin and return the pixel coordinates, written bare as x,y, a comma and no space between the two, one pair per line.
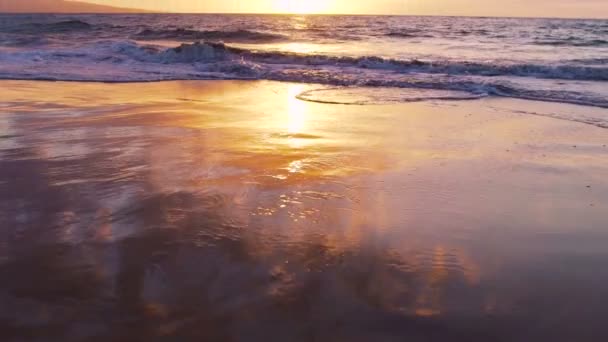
313,87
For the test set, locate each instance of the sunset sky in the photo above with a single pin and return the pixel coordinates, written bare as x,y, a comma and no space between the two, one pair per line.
541,8
560,8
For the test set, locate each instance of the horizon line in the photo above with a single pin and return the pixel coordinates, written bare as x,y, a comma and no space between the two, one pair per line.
152,12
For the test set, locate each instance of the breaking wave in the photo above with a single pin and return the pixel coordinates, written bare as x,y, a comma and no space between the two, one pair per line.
128,61
205,52
190,35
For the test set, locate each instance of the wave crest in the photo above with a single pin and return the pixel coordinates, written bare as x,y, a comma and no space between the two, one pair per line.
120,61
189,35
197,52
201,52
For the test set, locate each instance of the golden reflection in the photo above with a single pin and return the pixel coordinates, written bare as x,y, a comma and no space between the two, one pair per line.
295,166
300,22
296,109
296,115
429,301
296,124
303,48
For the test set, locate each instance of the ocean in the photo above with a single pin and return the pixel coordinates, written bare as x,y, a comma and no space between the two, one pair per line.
403,58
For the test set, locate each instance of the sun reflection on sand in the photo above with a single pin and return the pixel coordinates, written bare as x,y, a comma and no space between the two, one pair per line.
296,110
296,124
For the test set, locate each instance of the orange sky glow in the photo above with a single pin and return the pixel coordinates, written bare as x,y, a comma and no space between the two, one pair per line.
528,8
557,8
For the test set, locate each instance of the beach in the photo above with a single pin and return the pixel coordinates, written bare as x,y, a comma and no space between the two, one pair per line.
243,210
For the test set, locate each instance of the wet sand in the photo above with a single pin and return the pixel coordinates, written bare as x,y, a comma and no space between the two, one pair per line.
233,211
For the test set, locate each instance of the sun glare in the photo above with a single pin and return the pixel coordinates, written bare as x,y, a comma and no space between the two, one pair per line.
302,6
296,110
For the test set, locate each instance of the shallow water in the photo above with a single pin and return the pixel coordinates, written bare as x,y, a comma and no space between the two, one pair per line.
234,211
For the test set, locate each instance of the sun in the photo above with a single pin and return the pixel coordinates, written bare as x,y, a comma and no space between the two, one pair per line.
301,6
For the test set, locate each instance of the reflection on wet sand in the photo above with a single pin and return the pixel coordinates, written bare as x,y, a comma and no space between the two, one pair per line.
191,211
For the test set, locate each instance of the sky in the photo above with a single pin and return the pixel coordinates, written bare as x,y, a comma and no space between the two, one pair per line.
529,8
63,6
